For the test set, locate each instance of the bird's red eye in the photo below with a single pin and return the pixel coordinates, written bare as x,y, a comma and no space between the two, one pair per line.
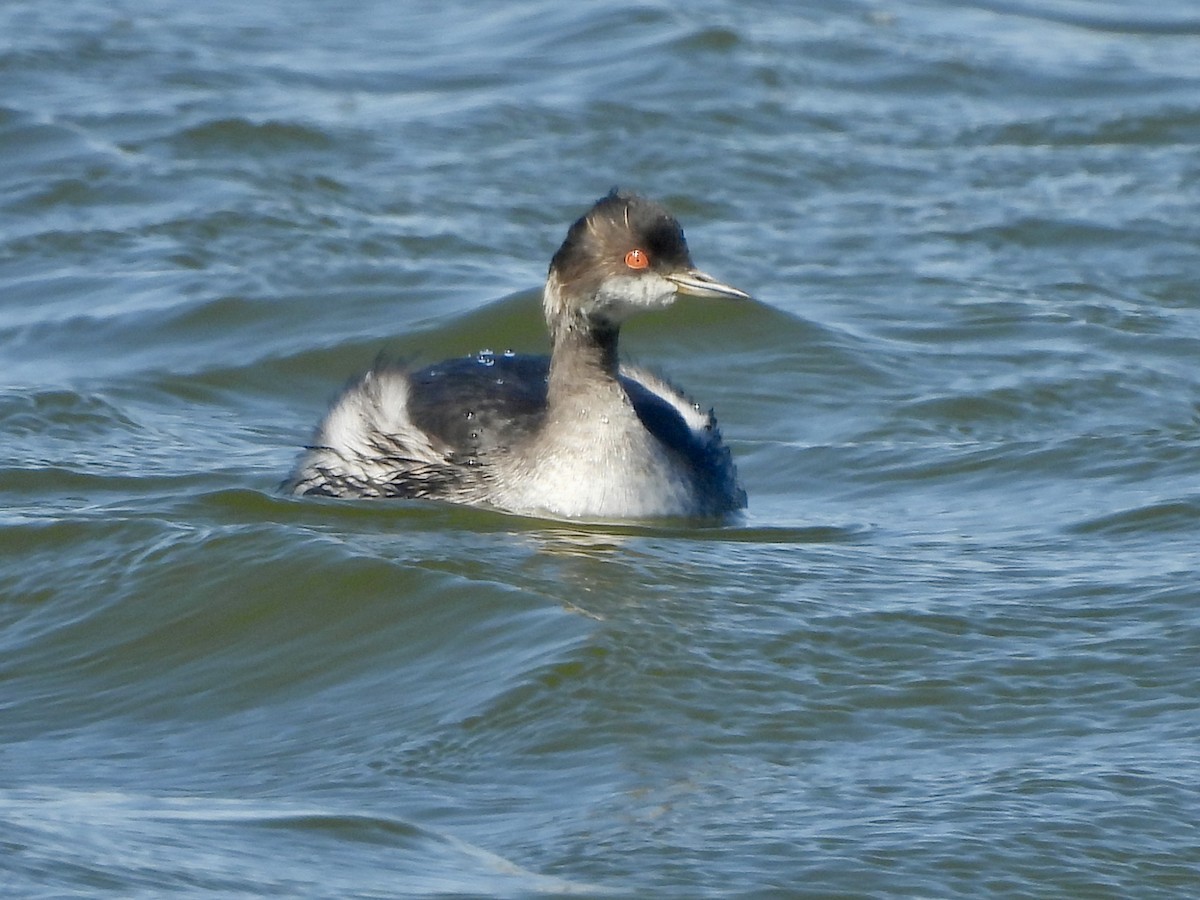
637,259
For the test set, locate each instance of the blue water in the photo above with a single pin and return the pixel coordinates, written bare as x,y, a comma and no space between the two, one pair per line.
950,651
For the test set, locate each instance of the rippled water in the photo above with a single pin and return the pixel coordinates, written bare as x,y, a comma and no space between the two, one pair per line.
951,649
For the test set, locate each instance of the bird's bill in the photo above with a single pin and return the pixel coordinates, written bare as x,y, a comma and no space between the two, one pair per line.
695,283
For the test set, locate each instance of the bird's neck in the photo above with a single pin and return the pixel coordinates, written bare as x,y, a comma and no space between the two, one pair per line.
583,358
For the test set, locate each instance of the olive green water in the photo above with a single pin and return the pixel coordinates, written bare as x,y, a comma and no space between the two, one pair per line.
949,652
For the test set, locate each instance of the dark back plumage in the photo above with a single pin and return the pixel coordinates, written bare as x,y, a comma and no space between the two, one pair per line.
478,404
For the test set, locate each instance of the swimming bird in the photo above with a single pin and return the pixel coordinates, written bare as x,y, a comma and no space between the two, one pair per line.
573,435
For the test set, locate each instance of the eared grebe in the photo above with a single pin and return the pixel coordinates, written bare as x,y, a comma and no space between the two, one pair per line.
575,434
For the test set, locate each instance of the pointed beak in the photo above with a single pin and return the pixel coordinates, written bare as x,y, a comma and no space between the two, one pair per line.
695,283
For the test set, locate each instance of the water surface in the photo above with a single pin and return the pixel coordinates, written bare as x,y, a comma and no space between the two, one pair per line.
949,651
